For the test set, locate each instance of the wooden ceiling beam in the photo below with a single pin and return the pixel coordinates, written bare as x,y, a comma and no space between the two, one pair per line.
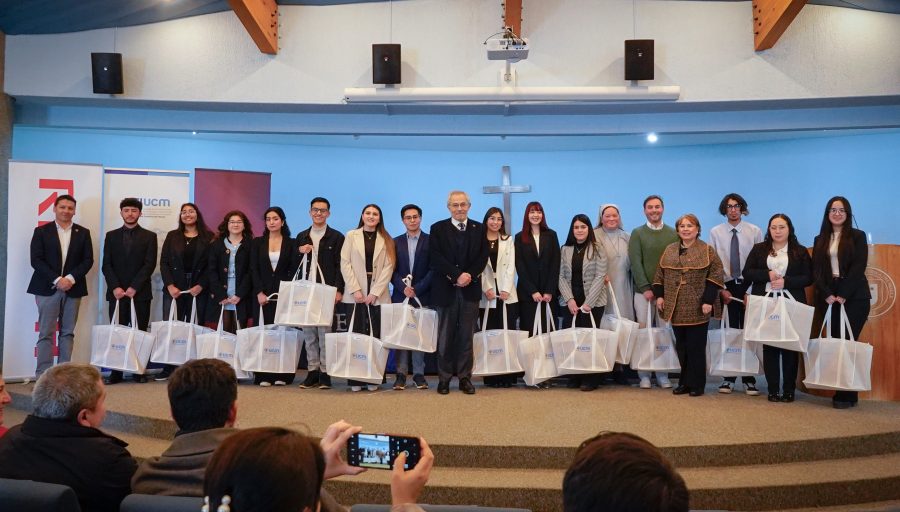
512,16
260,19
771,18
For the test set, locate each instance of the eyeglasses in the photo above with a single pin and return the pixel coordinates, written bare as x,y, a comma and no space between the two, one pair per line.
235,222
837,211
733,207
411,217
317,211
457,206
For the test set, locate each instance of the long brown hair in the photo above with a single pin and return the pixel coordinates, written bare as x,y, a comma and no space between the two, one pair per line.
526,225
822,264
795,250
202,231
248,229
492,210
382,232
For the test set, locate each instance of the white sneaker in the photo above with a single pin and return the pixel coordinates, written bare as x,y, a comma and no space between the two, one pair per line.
372,387
645,383
280,383
355,388
726,388
663,381
265,384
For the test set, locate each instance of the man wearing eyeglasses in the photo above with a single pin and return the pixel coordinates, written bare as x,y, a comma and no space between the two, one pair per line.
323,244
459,252
732,241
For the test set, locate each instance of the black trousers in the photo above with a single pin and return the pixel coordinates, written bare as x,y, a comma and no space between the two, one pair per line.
690,345
495,321
456,326
288,378
582,320
857,312
528,310
141,308
736,319
778,363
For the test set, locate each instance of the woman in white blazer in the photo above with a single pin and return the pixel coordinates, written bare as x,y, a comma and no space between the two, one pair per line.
498,284
368,257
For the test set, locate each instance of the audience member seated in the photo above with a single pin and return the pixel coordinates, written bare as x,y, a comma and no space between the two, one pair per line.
60,441
273,469
621,472
4,399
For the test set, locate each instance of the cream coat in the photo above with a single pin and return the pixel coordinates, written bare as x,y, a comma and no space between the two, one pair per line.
505,274
353,268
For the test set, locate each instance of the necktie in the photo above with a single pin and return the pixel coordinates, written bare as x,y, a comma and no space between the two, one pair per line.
461,226
735,260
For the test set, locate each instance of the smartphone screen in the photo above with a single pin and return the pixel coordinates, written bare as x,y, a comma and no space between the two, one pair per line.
378,451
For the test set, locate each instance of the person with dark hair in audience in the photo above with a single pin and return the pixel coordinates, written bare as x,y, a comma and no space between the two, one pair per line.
412,266
228,272
4,399
839,260
61,255
779,262
687,284
273,259
498,285
182,265
129,259
537,263
621,472
60,442
582,286
323,243
274,469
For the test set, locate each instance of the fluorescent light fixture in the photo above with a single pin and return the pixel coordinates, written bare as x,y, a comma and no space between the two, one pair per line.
511,94
652,138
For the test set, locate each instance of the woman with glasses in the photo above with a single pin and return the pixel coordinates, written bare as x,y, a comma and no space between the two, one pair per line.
228,272
839,258
498,284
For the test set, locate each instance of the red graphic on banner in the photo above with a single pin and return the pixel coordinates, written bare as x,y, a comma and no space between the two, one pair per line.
55,185
37,328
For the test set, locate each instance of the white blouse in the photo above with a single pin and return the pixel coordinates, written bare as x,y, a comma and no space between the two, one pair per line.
777,263
833,253
273,258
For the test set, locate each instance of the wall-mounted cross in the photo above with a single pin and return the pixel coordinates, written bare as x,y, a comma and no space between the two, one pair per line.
507,189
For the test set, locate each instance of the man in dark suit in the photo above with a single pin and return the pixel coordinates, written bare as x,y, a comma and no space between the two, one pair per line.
129,258
324,244
458,251
412,266
61,256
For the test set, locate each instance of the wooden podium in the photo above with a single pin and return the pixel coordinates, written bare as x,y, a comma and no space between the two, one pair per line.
882,329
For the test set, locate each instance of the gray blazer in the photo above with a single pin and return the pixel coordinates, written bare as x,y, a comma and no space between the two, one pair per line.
593,273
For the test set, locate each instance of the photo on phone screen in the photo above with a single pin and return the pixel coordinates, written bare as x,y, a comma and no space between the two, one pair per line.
378,451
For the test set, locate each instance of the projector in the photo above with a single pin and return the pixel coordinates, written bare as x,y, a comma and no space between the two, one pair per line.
508,49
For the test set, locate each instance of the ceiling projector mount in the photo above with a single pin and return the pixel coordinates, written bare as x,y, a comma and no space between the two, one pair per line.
508,46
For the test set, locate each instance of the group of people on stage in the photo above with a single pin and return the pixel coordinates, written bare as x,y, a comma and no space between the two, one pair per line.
462,267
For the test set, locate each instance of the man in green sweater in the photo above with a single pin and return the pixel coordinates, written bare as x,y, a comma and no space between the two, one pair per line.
645,247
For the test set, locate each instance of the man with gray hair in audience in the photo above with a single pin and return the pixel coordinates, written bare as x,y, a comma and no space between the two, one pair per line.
60,441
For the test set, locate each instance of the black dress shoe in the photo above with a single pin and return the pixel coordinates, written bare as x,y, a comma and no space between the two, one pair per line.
787,397
443,387
696,392
775,397
140,379
466,386
681,390
841,405
114,378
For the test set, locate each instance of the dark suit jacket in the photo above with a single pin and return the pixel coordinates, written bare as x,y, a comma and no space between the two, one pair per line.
449,259
421,272
217,278
329,255
853,283
172,266
797,276
264,278
537,273
46,260
132,270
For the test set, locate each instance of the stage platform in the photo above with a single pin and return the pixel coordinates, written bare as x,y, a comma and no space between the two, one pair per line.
510,447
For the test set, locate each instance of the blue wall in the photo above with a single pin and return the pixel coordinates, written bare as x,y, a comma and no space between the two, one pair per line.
795,177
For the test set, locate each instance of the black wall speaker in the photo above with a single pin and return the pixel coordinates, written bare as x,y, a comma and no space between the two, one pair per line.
106,70
385,63
639,59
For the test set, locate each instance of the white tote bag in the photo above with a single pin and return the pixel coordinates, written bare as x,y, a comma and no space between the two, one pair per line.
351,355
496,350
728,354
584,349
304,302
654,350
625,329
268,348
221,345
405,327
121,347
778,320
840,364
175,340
536,353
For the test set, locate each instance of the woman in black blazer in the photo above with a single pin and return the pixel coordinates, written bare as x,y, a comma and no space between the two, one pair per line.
228,272
182,265
273,259
779,262
840,257
537,263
